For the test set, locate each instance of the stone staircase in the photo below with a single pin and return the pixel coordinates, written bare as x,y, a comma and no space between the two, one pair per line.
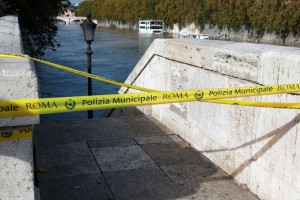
133,157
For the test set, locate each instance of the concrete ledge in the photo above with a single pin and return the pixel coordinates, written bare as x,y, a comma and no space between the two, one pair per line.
18,81
256,146
18,76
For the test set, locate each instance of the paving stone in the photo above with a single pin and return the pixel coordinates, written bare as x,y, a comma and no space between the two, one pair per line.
143,127
198,182
123,112
115,126
158,139
179,153
122,158
163,127
222,190
189,177
84,187
59,132
63,160
128,150
113,142
142,184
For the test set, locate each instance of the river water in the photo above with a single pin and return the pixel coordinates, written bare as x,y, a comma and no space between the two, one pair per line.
116,52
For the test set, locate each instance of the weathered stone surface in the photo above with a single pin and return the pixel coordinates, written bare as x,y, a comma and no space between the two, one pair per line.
198,182
62,132
122,158
164,168
16,170
179,153
142,184
143,127
255,145
18,81
158,139
18,76
82,187
113,142
64,160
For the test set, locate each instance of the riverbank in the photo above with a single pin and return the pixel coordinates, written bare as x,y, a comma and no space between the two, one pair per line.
215,33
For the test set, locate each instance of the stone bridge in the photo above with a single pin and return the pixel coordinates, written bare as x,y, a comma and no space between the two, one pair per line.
69,19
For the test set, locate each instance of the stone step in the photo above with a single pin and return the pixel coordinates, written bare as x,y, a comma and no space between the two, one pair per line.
132,157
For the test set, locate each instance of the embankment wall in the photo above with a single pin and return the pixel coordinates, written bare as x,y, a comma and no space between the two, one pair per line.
259,147
18,81
241,35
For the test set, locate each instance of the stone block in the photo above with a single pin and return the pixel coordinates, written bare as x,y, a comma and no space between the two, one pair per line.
65,160
122,158
83,187
142,184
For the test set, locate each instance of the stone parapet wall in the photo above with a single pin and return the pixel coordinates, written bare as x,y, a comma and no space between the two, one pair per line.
18,81
18,76
257,146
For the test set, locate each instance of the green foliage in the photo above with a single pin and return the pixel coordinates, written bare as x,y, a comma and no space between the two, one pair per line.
279,16
85,8
36,21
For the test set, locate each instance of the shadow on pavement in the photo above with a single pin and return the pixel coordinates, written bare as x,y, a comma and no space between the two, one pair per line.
124,158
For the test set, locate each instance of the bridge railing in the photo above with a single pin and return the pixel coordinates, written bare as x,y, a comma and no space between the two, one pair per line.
69,19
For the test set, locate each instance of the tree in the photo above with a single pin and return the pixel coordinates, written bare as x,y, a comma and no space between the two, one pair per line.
287,19
150,9
292,8
277,16
36,18
242,18
84,8
256,18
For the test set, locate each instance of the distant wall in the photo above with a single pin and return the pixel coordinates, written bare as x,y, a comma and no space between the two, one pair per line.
259,147
117,24
241,35
18,81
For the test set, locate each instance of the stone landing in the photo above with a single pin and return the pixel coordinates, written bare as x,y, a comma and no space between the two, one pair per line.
124,158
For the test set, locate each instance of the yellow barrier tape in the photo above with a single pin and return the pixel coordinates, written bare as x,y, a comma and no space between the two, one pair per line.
78,72
27,107
216,92
16,134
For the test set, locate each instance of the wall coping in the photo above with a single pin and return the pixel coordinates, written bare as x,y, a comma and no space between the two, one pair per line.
18,76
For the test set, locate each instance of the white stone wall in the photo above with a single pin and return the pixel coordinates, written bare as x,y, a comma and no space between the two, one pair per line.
18,76
18,81
259,147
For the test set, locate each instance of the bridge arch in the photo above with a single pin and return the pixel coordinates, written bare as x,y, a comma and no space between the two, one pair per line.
69,20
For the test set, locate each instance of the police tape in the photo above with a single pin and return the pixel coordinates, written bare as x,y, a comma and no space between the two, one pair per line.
78,72
28,107
16,134
257,90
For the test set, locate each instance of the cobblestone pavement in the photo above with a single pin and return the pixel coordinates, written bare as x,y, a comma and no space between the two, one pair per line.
124,158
